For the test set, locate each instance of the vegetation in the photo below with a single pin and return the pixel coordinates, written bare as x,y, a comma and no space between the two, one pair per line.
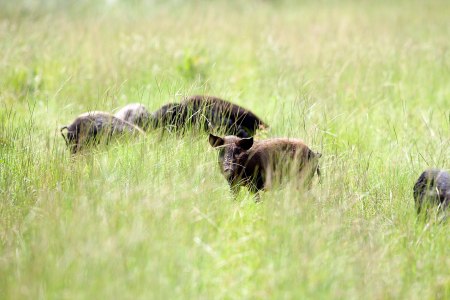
366,83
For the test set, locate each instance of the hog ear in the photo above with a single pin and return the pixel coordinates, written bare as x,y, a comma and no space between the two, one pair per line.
246,143
215,141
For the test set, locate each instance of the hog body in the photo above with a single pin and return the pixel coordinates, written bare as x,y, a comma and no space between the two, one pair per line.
255,164
168,116
432,189
207,112
92,127
136,114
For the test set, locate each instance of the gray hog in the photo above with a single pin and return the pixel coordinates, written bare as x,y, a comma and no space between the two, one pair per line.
432,189
135,113
92,127
254,164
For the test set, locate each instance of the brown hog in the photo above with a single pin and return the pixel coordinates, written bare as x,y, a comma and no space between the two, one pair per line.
432,188
92,127
206,112
135,113
254,164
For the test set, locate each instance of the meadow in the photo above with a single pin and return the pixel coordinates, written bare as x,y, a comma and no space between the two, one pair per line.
366,83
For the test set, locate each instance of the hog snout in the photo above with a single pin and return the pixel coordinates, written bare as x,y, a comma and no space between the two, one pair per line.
229,167
228,172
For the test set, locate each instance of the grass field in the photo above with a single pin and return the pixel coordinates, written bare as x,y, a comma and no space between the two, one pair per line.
366,83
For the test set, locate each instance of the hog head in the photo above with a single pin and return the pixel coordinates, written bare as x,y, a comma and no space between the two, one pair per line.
233,155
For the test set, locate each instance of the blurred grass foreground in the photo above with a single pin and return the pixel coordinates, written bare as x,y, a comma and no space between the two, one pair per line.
366,83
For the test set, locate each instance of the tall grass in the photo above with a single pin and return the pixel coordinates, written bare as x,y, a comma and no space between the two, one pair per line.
364,83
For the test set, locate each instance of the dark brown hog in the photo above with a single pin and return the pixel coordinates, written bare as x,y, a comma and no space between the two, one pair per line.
432,189
256,164
93,127
135,113
206,112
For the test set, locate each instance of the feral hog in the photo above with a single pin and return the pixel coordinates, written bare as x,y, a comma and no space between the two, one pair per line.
255,164
207,112
136,114
93,127
432,189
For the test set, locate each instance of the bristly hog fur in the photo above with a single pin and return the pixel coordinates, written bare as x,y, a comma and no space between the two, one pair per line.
432,188
92,127
207,112
135,113
254,164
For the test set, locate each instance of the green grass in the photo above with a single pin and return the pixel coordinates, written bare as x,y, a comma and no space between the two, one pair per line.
365,83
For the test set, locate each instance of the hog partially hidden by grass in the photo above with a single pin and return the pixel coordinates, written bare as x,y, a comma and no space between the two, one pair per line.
432,189
207,112
93,127
135,113
256,164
